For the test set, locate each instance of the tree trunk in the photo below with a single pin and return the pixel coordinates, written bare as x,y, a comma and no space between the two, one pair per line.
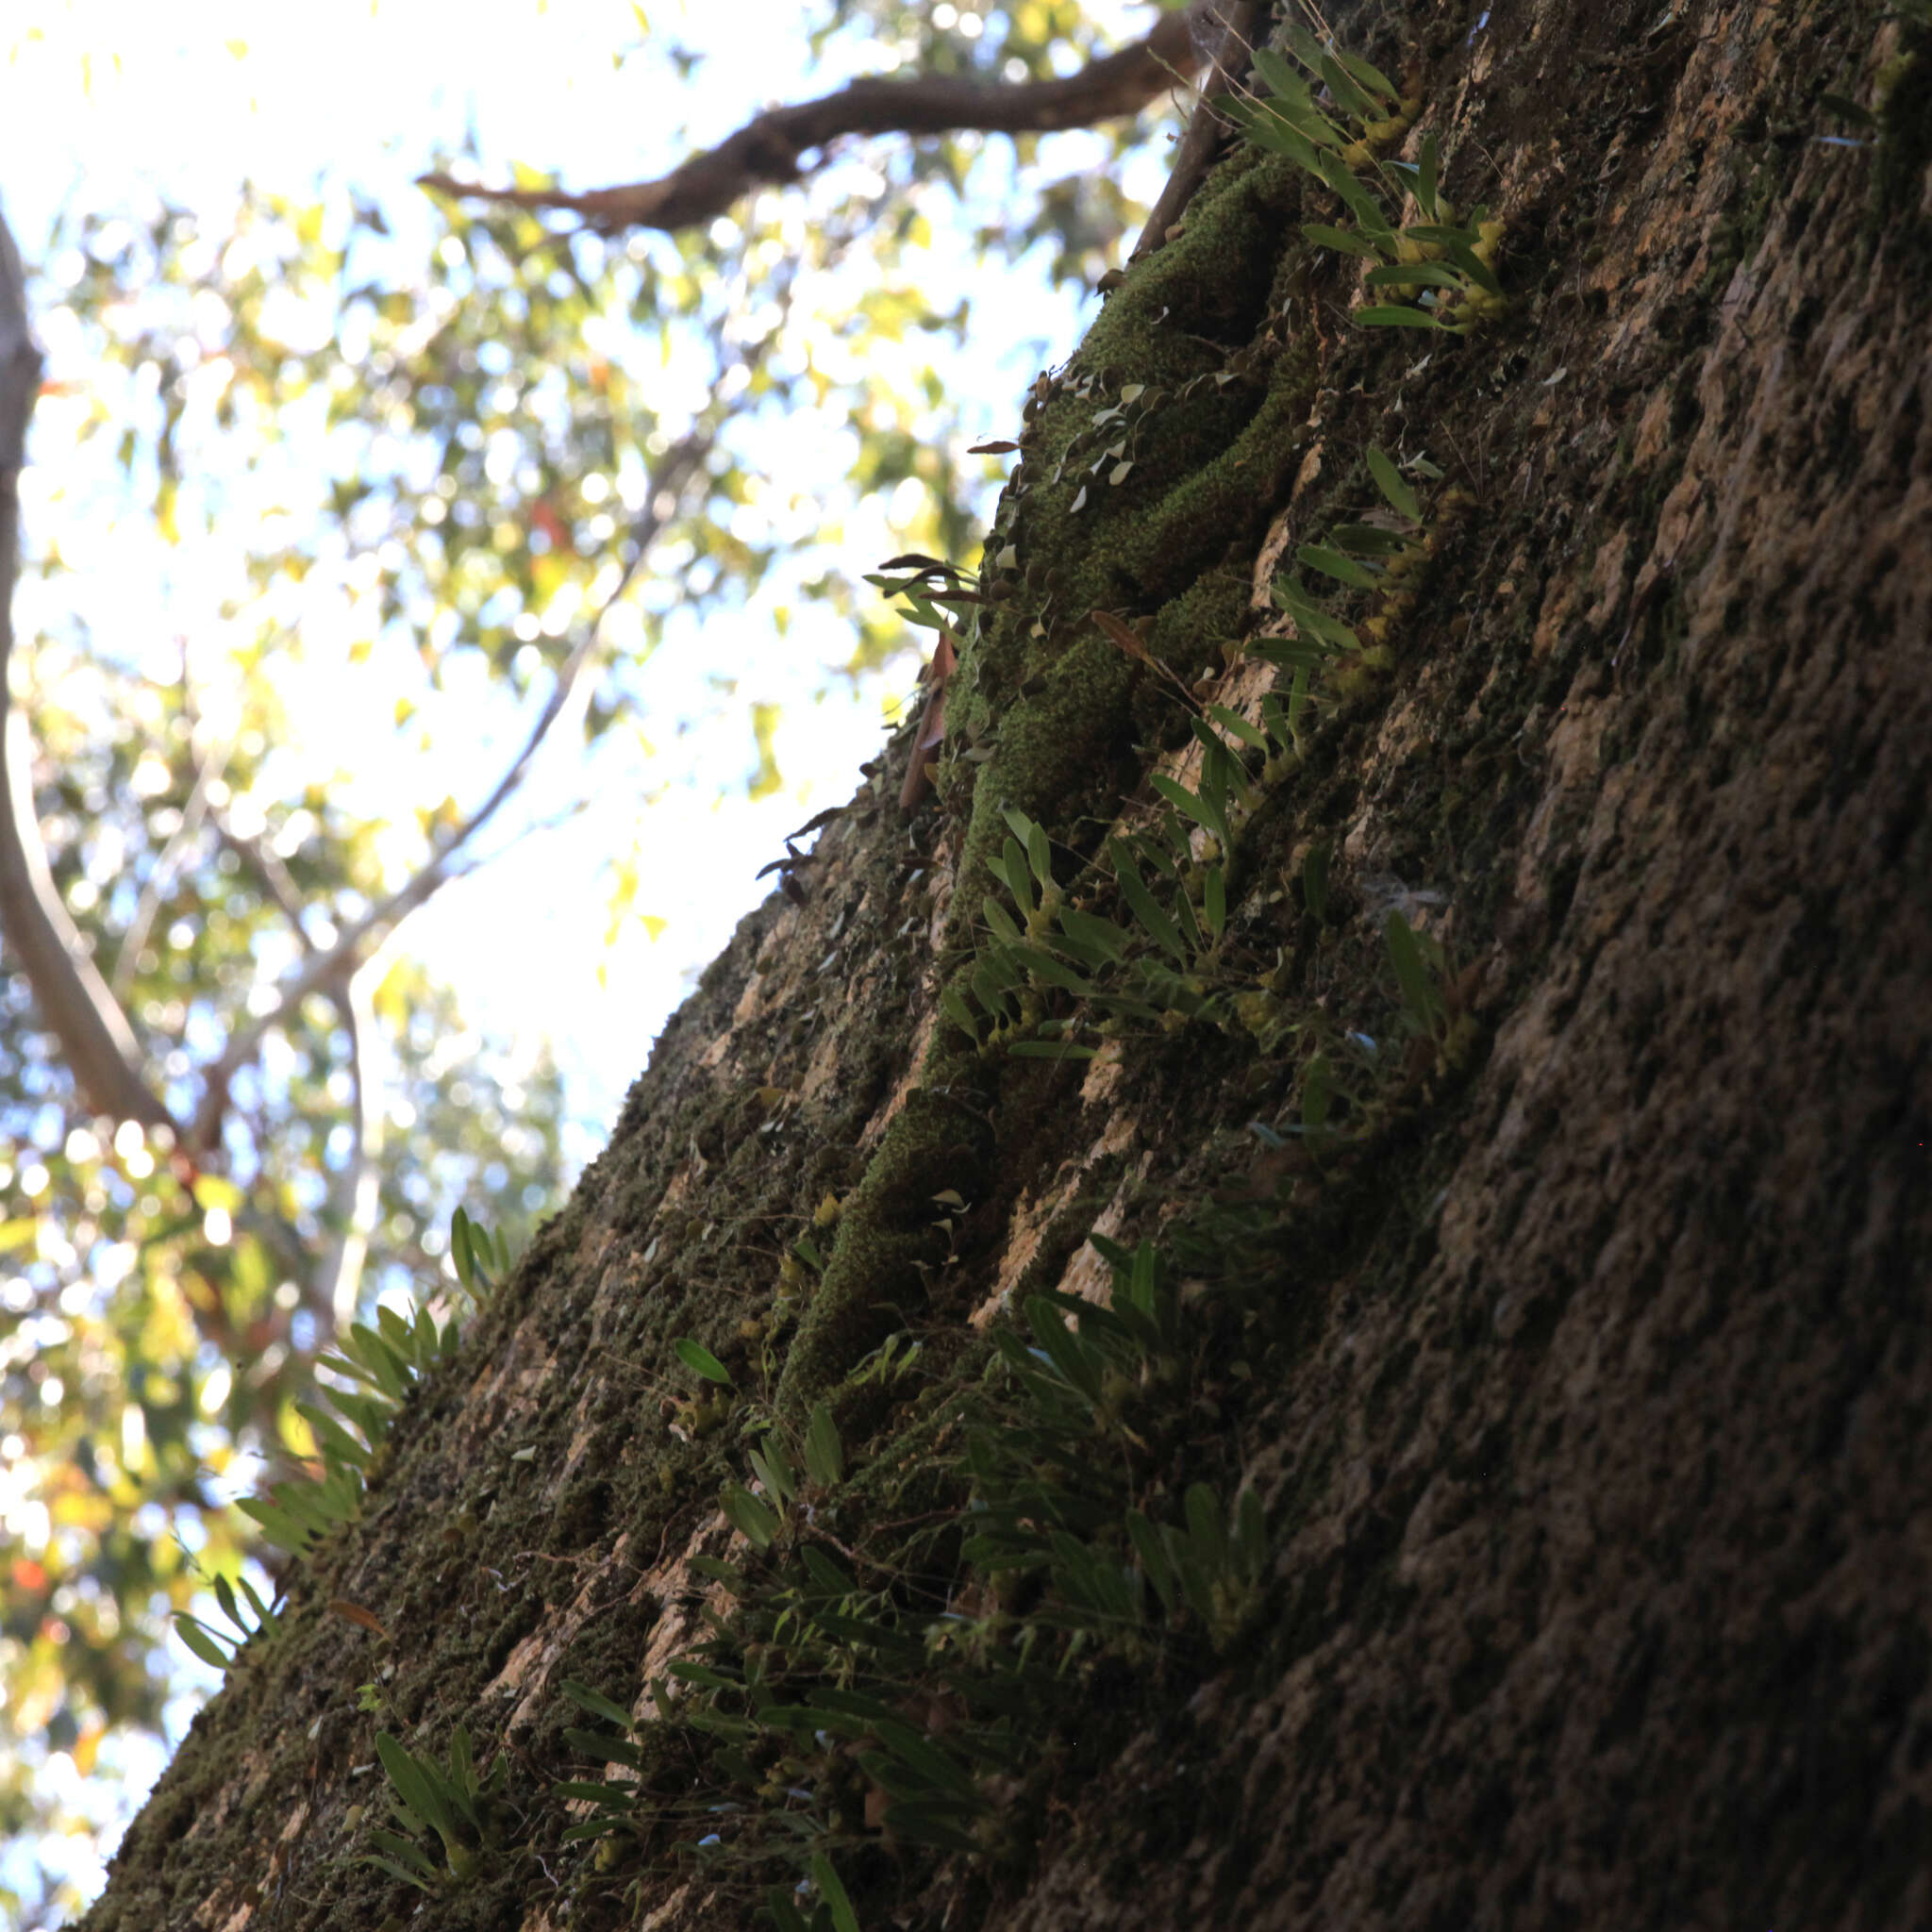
1577,1362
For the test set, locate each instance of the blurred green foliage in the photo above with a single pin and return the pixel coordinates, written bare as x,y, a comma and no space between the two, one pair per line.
413,474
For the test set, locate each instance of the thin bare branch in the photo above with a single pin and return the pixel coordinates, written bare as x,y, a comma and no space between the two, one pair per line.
76,1002
770,150
1231,43
360,1184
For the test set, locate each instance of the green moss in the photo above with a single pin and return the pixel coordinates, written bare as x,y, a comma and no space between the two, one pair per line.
1905,132
886,1229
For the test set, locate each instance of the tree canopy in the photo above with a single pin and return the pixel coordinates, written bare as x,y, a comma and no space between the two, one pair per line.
489,477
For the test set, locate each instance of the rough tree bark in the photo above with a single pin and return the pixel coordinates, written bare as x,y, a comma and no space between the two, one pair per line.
1586,1391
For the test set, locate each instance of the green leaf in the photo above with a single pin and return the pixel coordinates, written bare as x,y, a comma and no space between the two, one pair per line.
604,1749
1360,202
1043,966
854,1704
701,1361
748,1515
1280,79
703,1676
1390,482
1038,852
926,1822
404,1851
1215,901
1071,1355
931,1764
1426,177
1370,540
992,976
1372,78
1408,274
1343,569
824,1455
774,1472
331,1438
1239,727
826,1574
1419,991
999,919
396,1870
1152,1552
953,1004
1396,315
1017,874
1297,704
1196,808
224,1596
1268,129
201,1641
589,1828
1308,49
1474,267
1251,1535
1352,99
280,1528
618,1798
844,1918
596,1704
784,1915
1293,596
1315,881
389,1370
1143,905
1207,1526
1092,941
1050,1050
462,1787
459,1247
419,1788
264,1613
1349,241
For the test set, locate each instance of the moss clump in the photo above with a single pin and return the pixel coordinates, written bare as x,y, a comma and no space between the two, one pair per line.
886,1227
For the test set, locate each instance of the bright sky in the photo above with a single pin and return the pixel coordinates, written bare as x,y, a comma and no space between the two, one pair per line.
107,98
111,95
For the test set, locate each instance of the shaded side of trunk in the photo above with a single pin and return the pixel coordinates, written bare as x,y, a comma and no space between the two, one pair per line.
1580,1373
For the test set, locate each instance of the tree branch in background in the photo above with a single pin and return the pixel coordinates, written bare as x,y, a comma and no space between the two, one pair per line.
1232,45
333,969
269,872
359,1187
769,151
98,1043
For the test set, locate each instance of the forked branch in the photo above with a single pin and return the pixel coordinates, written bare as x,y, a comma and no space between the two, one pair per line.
770,150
